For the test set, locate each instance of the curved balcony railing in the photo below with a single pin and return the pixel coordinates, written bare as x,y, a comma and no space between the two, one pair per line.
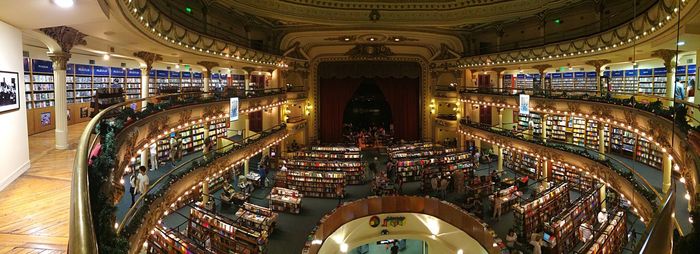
132,218
91,188
661,204
169,32
440,209
639,29
659,107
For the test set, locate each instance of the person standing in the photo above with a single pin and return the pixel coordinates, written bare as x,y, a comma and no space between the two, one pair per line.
537,243
395,249
153,156
339,192
497,202
132,187
173,149
142,181
511,238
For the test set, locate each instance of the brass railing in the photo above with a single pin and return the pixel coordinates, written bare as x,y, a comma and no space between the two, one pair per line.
82,237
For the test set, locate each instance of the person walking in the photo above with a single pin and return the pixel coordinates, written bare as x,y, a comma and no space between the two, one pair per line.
339,192
497,203
537,243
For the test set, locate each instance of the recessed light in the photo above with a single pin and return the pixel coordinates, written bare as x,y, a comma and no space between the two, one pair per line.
397,39
347,39
64,3
372,39
105,57
681,43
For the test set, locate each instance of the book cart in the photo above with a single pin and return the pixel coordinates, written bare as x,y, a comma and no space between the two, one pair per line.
531,215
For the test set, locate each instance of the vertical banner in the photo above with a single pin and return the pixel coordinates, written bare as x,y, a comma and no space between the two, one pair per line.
233,108
524,104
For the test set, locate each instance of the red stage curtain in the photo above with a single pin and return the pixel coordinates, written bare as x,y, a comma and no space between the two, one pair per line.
400,93
335,95
402,96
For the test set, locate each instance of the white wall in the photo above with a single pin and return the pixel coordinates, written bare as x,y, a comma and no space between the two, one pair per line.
14,150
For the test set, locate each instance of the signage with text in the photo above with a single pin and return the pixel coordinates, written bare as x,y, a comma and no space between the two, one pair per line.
524,104
233,108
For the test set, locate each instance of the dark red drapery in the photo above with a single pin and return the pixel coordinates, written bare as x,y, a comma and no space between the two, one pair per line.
400,93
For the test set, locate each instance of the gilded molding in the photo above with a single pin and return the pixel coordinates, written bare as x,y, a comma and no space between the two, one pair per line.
59,60
149,58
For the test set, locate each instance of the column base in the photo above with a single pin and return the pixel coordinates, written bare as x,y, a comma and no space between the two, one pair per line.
61,140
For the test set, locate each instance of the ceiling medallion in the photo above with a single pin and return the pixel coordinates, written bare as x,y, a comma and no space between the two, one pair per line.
369,51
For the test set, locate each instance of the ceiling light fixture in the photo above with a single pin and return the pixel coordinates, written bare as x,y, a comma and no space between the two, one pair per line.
372,39
64,3
347,38
397,39
681,43
105,57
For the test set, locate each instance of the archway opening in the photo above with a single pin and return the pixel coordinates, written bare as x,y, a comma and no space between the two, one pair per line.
368,108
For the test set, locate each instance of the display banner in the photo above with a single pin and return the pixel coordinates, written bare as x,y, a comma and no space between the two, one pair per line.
26,64
117,72
186,74
197,75
580,74
568,75
592,74
660,71
70,69
161,74
645,72
42,66
101,71
524,104
174,74
233,108
134,73
84,70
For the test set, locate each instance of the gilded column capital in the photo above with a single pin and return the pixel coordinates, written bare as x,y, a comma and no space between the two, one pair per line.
149,58
667,55
65,36
541,67
208,65
498,70
59,59
598,63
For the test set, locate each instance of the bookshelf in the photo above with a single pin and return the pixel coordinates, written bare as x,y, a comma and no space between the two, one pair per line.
579,130
133,83
352,170
40,92
508,81
411,146
590,83
531,215
557,81
320,184
197,80
100,78
445,171
524,81
522,163
238,81
687,73
83,83
327,155
161,241
623,141
592,128
411,169
577,179
647,154
285,200
524,123
660,81
174,79
556,127
186,79
563,226
224,234
613,237
646,81
215,82
224,80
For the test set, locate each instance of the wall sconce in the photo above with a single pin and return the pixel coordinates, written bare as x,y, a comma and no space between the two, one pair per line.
432,106
308,109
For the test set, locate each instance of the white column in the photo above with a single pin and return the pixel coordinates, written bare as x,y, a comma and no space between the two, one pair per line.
61,104
667,165
499,167
144,85
205,79
246,166
601,139
144,158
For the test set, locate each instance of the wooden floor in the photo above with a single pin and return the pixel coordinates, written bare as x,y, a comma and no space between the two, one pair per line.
34,208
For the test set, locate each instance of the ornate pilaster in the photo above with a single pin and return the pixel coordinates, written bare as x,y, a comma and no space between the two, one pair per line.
499,71
208,67
598,64
60,60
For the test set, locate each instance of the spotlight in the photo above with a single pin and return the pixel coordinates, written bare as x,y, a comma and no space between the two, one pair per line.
64,3
105,57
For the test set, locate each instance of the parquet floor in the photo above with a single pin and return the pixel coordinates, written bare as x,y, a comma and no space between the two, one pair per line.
34,208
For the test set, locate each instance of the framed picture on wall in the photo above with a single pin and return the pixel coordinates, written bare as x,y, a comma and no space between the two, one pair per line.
45,119
9,91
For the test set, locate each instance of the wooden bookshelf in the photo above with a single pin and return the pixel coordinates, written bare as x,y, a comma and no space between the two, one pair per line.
563,227
578,179
613,237
353,170
531,215
522,163
256,218
320,184
224,234
162,241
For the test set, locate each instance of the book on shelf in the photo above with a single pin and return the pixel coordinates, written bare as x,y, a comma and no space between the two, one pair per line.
285,200
612,238
321,184
530,215
564,225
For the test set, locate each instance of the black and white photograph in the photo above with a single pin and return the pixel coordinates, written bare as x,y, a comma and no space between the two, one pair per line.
9,91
